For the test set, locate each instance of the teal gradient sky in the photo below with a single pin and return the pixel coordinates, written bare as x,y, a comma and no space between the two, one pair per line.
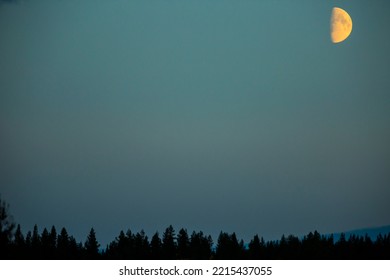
231,115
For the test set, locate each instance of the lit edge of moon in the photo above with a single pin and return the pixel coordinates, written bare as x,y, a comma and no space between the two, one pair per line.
340,25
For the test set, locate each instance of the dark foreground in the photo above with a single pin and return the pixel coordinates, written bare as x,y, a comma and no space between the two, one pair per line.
129,245
49,244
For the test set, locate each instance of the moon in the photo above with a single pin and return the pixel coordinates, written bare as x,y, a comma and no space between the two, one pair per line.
340,25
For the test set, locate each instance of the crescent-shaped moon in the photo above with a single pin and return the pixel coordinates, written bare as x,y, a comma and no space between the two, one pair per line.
340,25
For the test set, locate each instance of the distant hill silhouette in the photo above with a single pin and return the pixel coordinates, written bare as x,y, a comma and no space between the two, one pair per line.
372,232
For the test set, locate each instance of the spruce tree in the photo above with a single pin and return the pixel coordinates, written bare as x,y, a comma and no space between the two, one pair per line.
183,245
255,248
169,244
63,245
19,245
200,246
6,229
156,247
45,244
53,243
36,243
141,246
91,245
223,246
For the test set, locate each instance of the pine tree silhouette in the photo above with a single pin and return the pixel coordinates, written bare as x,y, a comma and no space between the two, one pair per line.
63,245
341,248
200,246
141,246
156,247
169,244
45,244
256,248
28,252
183,245
75,249
36,243
92,246
6,230
19,245
228,247
52,243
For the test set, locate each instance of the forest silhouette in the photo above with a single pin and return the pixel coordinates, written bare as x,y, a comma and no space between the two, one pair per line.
51,244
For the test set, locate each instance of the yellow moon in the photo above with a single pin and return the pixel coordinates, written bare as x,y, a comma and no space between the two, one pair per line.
340,25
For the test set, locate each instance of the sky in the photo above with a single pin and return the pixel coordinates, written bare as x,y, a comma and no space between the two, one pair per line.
240,116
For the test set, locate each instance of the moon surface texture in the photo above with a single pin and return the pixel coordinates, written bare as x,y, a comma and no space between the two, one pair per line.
340,25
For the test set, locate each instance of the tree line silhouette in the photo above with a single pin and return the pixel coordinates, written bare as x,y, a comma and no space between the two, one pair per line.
50,244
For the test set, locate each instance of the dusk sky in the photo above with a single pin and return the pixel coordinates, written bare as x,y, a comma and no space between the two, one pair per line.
233,115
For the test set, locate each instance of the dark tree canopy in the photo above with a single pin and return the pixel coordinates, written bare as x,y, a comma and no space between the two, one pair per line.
92,245
228,247
169,244
183,245
156,247
6,227
129,245
201,246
